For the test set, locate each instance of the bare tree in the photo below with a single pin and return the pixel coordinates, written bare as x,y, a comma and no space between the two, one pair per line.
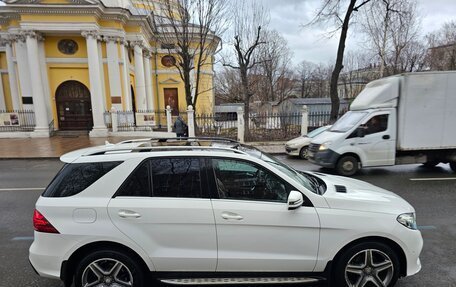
227,88
275,57
250,19
391,35
189,29
332,10
305,70
442,48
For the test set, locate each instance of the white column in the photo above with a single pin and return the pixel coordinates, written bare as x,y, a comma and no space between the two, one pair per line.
44,77
148,75
2,96
39,100
102,77
114,72
304,120
241,124
96,91
169,121
12,76
23,73
126,75
191,121
139,76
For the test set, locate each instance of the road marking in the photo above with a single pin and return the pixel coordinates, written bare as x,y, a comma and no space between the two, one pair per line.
21,188
433,178
23,238
427,227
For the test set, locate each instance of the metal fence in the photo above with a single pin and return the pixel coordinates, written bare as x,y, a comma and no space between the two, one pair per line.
262,126
273,126
17,121
216,125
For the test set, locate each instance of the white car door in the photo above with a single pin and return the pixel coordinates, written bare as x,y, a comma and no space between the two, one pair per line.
255,230
164,207
378,143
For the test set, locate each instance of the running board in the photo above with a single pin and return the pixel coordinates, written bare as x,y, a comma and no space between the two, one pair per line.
233,281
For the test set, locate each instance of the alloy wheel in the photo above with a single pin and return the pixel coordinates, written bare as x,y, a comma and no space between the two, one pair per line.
107,272
370,267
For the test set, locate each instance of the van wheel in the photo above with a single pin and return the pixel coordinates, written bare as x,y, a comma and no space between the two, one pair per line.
109,268
303,152
453,165
367,264
347,165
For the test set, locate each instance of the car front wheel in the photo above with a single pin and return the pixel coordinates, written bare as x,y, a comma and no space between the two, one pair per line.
109,268
367,264
303,152
347,165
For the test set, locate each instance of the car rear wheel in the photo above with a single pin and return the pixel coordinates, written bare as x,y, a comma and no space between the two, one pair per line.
109,268
347,165
367,264
303,152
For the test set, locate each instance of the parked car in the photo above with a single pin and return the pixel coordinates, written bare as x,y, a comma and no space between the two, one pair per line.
299,146
215,212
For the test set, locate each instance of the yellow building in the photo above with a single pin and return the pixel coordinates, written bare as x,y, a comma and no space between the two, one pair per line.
70,61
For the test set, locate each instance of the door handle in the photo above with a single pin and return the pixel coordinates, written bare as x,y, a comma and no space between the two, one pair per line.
231,216
129,214
386,137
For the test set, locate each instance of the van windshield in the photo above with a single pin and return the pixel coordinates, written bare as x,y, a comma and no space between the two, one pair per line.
347,122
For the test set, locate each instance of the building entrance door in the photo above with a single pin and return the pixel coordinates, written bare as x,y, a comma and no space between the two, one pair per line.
172,100
74,108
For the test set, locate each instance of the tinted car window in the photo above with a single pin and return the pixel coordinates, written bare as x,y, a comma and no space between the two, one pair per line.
75,177
176,177
245,181
138,183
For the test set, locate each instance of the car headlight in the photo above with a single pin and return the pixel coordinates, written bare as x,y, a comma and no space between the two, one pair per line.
408,220
324,146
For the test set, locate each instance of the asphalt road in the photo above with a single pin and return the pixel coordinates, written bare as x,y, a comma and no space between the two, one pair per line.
432,193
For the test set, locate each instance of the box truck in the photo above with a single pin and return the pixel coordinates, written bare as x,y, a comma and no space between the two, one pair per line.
402,119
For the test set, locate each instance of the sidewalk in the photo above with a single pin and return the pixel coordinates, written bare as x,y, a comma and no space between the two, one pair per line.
54,147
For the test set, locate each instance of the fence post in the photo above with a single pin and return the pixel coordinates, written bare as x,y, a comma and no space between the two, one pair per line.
168,119
304,120
240,122
191,123
114,120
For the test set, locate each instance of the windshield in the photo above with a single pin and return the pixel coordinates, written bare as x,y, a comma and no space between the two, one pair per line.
347,121
316,132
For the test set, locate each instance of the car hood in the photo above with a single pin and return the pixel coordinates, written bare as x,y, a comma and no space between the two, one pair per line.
327,136
362,196
299,141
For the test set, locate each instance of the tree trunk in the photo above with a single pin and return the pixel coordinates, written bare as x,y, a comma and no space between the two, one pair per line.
335,102
245,90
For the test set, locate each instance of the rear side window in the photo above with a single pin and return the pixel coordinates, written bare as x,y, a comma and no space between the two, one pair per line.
176,177
75,177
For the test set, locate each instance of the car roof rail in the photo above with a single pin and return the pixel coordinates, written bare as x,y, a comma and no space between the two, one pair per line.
175,139
124,150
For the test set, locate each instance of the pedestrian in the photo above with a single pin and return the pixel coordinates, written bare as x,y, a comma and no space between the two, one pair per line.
180,127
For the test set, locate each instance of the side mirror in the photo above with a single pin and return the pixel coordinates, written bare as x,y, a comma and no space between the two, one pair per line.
295,200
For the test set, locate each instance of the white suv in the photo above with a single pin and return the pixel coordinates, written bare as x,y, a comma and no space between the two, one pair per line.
202,211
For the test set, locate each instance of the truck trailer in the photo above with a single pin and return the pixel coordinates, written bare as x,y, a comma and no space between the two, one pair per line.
402,119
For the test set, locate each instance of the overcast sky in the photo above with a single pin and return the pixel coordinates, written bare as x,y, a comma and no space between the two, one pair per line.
308,43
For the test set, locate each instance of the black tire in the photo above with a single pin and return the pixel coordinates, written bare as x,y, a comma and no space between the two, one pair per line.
303,152
357,256
430,164
347,165
129,269
453,165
